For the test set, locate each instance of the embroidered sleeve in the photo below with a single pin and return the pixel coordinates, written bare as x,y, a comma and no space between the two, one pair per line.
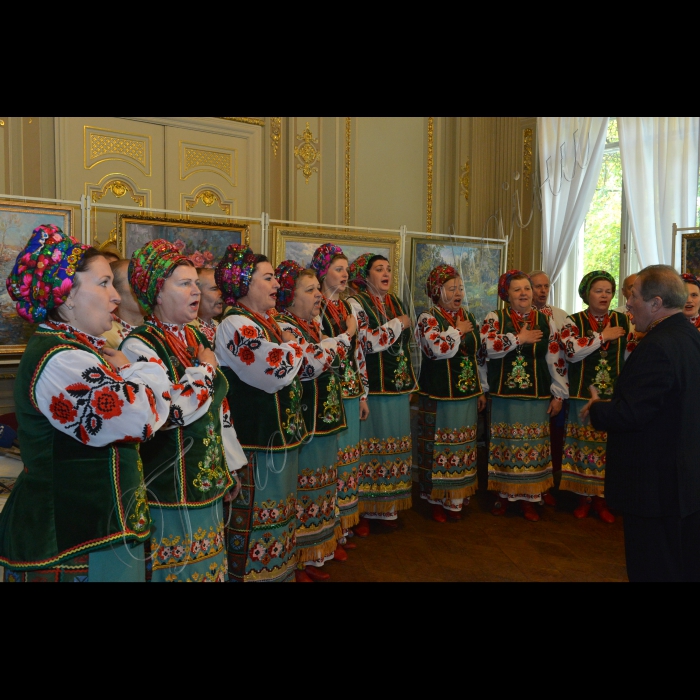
556,363
235,457
495,343
241,345
190,396
319,357
96,405
377,339
436,344
575,347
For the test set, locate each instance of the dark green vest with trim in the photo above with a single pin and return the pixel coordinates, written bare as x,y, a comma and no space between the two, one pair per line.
523,372
348,371
321,399
389,371
264,421
186,465
71,498
596,369
457,377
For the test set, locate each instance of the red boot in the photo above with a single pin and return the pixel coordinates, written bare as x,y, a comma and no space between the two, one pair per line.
548,498
302,577
601,508
340,554
584,506
529,511
454,516
316,573
438,513
499,507
362,528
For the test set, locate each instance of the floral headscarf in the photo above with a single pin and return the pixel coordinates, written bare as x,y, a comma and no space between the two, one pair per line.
690,279
42,276
357,270
322,258
149,267
437,278
234,271
287,273
584,287
505,279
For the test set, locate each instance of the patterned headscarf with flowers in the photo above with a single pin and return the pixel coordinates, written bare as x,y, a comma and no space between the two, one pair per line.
234,272
584,287
690,279
322,258
437,277
505,279
357,270
287,273
150,266
42,276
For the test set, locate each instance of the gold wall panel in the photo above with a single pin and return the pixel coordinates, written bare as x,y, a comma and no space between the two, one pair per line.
102,145
307,154
208,198
199,158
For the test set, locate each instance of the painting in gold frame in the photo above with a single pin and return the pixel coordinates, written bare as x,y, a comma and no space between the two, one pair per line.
17,221
201,241
299,243
690,253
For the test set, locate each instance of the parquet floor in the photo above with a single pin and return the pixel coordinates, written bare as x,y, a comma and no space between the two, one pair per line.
482,547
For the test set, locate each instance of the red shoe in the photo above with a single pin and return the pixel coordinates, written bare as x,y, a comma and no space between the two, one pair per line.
454,516
302,577
549,499
601,508
529,511
340,554
316,574
584,506
439,513
500,506
390,524
362,528
349,545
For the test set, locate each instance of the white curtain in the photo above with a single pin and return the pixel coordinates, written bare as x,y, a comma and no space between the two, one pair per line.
571,153
660,176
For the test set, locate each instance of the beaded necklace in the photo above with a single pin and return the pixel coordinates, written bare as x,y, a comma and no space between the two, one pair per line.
599,328
337,311
84,338
271,326
516,316
311,327
185,353
380,305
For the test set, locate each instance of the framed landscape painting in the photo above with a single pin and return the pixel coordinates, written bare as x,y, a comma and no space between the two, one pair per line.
480,266
202,242
299,244
17,221
690,253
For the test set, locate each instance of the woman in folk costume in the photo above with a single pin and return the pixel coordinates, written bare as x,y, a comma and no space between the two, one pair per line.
384,334
318,527
594,341
331,266
527,383
691,310
78,510
188,463
450,395
262,364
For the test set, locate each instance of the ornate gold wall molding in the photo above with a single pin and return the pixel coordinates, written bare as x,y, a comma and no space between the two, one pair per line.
198,157
307,153
429,217
245,120
527,156
464,181
118,187
348,122
101,145
275,133
208,195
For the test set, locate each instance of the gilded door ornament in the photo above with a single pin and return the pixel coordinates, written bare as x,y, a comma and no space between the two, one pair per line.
101,145
275,133
118,188
527,156
464,181
307,153
208,198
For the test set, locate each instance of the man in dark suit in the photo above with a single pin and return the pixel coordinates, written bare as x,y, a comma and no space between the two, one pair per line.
653,454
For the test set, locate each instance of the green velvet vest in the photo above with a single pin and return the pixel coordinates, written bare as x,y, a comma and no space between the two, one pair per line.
523,372
71,498
389,371
348,371
322,404
186,465
596,369
265,421
457,377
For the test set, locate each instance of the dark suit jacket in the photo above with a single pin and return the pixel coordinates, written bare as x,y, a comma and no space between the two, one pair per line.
653,425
